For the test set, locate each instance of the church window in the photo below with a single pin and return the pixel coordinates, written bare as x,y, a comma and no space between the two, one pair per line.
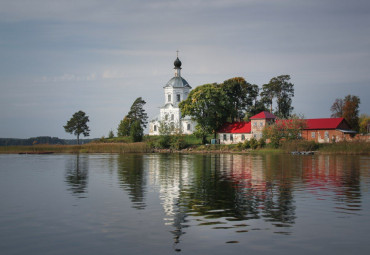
155,127
189,127
166,117
172,117
169,98
178,97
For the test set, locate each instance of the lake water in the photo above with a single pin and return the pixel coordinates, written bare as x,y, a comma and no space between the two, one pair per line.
187,204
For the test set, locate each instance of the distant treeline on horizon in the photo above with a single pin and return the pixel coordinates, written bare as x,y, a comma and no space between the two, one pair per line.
41,140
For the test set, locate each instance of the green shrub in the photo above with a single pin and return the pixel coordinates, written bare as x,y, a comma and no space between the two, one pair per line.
299,145
246,144
261,143
253,143
178,142
164,142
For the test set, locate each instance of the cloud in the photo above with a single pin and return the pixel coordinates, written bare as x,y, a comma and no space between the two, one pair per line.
112,74
68,78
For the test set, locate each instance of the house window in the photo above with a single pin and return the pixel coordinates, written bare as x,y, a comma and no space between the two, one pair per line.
312,134
231,137
243,137
155,127
225,137
255,135
189,127
261,124
172,117
178,97
326,134
254,124
169,98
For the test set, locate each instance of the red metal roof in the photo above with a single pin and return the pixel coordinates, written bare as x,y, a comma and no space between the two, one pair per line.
263,115
327,123
236,127
245,127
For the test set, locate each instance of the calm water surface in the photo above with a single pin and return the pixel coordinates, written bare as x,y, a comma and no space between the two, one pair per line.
189,204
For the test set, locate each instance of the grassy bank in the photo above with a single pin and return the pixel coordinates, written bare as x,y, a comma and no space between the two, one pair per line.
85,148
192,145
358,147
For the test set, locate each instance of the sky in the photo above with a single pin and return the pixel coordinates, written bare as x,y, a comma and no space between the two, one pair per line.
98,56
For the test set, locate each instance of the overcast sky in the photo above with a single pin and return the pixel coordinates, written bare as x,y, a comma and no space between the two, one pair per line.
59,57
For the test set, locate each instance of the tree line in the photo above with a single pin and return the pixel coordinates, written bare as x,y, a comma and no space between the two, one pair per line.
211,105
235,99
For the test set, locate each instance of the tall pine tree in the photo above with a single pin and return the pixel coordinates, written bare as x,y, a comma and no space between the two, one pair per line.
136,114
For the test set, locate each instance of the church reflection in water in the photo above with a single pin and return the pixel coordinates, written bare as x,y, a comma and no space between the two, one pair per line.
226,191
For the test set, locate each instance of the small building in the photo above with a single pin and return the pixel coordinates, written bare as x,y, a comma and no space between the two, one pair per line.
236,132
322,130
327,130
259,121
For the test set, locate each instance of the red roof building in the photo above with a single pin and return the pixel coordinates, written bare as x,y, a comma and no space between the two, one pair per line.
263,115
236,128
322,130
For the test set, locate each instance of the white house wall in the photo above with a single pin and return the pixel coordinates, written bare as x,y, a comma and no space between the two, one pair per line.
236,138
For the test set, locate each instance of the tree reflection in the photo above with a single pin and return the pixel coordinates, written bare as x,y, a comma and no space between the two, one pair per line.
225,191
132,178
236,187
77,174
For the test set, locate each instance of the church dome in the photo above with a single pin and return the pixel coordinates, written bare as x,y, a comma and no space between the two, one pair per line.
177,63
177,82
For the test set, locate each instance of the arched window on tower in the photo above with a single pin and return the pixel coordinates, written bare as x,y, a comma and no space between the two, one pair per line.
169,98
178,97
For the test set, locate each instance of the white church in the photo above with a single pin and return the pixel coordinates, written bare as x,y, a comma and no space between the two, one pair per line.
176,90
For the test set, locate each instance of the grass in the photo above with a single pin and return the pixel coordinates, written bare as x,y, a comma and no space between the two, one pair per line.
85,148
193,144
356,147
299,145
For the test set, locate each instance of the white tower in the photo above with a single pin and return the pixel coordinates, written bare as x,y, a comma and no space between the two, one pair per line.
176,90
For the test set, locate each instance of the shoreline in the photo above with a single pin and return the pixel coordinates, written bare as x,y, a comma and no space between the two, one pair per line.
123,148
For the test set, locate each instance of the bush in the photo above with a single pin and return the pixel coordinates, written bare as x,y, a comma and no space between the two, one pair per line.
177,142
136,132
262,143
299,145
253,143
164,142
246,144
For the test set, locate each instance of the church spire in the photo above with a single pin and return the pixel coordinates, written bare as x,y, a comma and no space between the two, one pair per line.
177,65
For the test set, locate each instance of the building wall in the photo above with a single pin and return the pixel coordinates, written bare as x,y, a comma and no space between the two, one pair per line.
257,126
173,92
325,136
186,127
233,138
